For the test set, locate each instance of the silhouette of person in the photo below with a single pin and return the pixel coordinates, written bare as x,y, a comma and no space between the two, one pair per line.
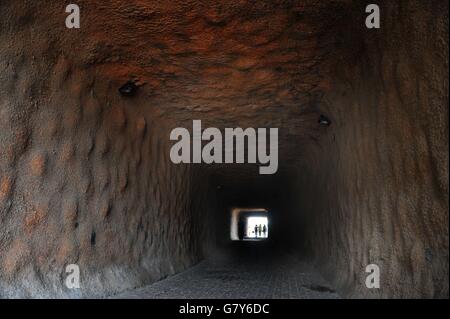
256,231
259,230
264,230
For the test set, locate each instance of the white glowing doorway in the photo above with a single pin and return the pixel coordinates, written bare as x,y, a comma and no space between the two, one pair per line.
249,224
257,227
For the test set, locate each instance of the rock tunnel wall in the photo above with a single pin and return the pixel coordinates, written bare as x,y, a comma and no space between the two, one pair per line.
86,180
375,188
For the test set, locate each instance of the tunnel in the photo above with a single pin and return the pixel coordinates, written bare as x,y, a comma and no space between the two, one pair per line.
86,176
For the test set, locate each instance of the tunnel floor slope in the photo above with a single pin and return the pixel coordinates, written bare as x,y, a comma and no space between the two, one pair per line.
238,279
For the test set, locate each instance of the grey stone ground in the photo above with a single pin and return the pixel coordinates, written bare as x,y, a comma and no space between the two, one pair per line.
283,278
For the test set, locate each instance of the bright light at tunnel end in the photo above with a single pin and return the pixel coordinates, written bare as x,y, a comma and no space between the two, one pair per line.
257,227
249,224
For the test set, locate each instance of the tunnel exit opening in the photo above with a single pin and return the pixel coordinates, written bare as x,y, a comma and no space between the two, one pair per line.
249,224
256,228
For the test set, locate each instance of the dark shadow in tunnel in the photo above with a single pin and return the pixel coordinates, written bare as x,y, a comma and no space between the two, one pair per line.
256,196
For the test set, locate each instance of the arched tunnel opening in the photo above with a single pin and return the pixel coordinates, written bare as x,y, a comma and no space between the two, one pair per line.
87,178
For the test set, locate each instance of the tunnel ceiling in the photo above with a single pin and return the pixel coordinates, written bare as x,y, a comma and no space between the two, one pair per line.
252,64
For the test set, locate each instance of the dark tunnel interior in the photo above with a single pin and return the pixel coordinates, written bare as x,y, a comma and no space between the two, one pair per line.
86,176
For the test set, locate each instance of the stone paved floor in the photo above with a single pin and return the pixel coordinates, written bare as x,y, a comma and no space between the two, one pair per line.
284,278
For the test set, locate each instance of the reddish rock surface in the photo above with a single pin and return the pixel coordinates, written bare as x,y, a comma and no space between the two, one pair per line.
85,173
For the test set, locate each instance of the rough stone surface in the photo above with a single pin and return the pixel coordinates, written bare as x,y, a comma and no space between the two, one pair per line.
283,278
85,179
377,183
85,174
